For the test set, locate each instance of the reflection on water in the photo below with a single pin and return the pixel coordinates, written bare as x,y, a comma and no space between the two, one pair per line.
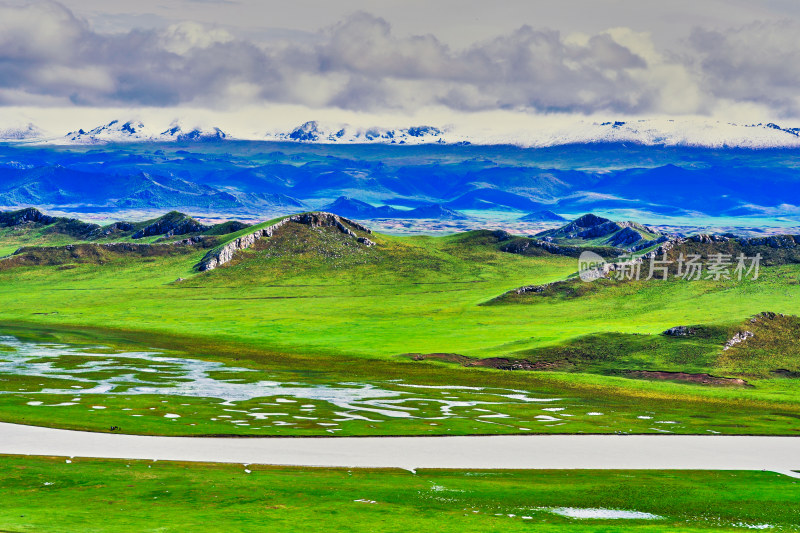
95,370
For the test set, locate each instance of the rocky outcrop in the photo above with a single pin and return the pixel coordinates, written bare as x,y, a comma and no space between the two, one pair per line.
765,315
30,214
522,246
625,237
647,244
535,288
599,230
224,254
679,331
172,223
740,337
773,241
118,227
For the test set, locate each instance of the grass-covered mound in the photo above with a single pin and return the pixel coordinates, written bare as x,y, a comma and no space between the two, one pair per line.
766,344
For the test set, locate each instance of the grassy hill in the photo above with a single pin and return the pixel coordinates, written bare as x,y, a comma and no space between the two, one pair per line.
313,297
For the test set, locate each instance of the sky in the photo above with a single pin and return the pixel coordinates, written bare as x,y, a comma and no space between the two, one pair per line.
733,60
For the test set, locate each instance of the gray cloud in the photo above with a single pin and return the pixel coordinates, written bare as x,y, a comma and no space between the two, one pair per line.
757,63
47,53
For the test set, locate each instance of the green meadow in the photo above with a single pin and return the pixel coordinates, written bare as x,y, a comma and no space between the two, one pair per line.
308,300
55,495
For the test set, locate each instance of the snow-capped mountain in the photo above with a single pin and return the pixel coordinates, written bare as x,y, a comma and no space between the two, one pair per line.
176,133
312,131
22,133
667,132
118,131
114,131
537,132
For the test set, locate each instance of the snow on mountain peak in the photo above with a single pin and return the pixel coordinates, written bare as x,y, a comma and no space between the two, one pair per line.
533,133
118,131
312,131
27,132
176,133
114,131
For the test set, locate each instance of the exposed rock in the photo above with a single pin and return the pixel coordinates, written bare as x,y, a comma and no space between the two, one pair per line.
679,331
172,223
501,235
741,336
766,315
521,245
705,238
30,214
648,244
536,288
598,230
218,257
626,237
588,220
118,227
773,241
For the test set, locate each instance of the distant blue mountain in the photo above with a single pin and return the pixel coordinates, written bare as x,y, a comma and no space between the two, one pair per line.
352,208
430,180
542,216
493,199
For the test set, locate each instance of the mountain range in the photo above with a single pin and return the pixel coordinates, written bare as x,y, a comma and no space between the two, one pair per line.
424,181
647,132
351,208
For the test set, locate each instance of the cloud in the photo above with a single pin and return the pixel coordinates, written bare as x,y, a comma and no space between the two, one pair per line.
756,63
47,54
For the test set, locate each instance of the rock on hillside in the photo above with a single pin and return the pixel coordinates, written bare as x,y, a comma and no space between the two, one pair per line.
66,226
30,214
224,254
173,223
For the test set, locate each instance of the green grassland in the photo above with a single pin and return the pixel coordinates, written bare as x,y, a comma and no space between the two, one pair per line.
54,495
311,299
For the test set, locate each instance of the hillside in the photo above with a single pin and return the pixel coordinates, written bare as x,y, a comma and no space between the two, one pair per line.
591,230
30,227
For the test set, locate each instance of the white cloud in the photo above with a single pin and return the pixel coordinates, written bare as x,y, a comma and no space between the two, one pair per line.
48,56
182,37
